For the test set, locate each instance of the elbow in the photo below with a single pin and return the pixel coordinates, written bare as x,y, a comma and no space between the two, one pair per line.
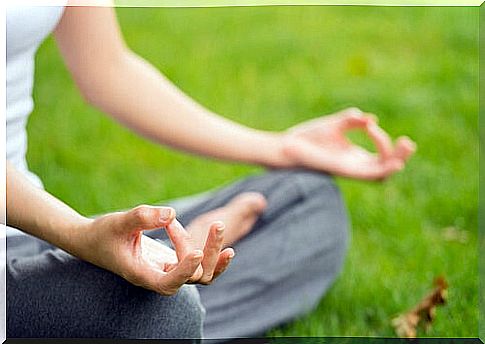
91,93
95,86
90,81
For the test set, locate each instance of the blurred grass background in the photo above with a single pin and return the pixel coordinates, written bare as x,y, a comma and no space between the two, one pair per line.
270,68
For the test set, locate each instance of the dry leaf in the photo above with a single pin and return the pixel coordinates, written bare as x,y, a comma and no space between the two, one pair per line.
424,312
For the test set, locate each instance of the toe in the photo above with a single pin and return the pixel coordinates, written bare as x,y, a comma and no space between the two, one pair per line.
250,202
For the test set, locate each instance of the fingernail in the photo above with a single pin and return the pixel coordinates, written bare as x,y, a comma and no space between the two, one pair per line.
220,227
166,214
232,254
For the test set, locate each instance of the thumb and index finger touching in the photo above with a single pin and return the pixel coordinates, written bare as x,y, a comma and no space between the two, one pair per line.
145,217
150,217
394,154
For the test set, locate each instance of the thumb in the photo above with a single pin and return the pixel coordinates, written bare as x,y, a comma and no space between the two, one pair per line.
146,217
381,140
351,118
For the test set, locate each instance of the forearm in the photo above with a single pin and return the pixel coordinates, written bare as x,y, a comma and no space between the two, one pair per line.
38,213
136,94
123,85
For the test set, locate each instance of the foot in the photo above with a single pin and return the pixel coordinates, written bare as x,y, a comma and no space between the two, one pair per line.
239,216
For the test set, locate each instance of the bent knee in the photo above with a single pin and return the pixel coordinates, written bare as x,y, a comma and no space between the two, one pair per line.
188,313
325,211
310,183
313,183
154,316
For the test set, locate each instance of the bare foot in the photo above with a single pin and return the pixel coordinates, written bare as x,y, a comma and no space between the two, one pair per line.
239,216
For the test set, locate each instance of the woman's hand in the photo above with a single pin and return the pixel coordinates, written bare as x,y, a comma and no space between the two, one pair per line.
321,144
116,242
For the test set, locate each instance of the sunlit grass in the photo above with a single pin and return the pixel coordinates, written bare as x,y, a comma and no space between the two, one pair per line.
271,68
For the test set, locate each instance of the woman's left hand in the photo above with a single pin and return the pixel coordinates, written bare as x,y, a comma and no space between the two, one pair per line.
321,144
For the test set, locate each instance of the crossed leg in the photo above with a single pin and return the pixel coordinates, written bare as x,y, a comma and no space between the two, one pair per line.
285,263
283,266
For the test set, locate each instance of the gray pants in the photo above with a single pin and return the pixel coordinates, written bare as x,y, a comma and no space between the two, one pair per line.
280,271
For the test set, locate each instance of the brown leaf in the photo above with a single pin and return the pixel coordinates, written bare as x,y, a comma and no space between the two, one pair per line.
406,324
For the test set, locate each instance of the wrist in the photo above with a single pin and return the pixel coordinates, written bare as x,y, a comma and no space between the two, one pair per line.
75,237
270,151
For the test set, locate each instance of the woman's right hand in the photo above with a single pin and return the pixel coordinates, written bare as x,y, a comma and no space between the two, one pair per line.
116,242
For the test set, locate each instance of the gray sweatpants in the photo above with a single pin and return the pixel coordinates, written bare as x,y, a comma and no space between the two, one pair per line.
281,270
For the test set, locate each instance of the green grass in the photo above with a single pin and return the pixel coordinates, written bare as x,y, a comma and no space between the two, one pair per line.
417,68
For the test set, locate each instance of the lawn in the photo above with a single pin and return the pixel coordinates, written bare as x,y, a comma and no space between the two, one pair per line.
271,67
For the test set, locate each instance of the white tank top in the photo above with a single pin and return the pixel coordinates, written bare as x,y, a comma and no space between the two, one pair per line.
27,27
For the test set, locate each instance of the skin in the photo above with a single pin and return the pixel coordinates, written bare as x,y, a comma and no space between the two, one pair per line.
123,85
239,216
115,241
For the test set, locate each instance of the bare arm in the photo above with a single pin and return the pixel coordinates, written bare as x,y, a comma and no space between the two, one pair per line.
39,213
125,86
115,241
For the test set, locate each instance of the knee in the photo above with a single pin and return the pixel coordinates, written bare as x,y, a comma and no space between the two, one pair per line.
325,209
320,192
313,184
316,195
187,313
80,300
177,316
310,183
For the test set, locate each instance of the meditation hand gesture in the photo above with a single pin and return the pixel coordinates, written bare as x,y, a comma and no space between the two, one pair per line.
321,144
116,242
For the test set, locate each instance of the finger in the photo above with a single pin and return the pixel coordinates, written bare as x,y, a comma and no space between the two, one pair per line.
349,111
158,254
180,238
367,167
385,169
146,217
351,118
405,147
381,140
372,118
225,258
169,283
373,169
212,249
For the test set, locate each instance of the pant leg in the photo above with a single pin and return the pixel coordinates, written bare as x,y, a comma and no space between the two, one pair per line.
53,294
287,262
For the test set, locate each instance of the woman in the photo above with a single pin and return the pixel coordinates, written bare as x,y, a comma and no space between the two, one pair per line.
118,275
